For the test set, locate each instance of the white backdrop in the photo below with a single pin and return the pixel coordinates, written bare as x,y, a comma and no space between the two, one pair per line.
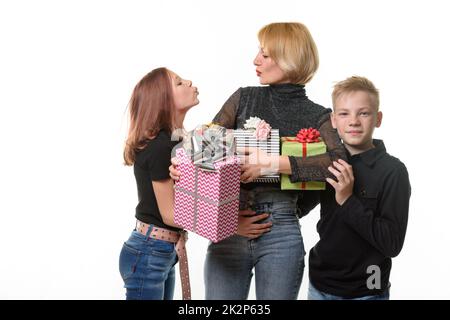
67,70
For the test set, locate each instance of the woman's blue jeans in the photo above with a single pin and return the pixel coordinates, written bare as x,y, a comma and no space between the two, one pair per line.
277,256
147,267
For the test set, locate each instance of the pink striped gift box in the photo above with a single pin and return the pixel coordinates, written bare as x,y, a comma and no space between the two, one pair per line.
207,202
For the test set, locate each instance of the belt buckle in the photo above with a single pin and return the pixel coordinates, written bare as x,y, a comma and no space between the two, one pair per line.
184,234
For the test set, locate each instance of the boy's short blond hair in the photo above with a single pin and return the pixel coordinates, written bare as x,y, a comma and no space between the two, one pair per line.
353,84
292,47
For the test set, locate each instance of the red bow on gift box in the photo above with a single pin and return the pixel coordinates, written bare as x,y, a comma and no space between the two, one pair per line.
309,135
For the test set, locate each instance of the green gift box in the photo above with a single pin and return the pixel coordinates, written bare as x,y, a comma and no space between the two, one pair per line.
291,147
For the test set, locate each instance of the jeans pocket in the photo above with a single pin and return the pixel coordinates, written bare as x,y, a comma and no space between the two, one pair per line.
160,262
129,258
162,248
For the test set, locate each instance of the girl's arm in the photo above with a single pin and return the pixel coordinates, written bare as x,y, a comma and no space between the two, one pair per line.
165,198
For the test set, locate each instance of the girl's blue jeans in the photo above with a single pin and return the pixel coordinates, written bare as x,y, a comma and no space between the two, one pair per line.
147,267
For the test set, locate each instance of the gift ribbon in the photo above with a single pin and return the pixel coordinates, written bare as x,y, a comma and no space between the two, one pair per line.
304,156
205,199
305,136
210,145
198,197
195,201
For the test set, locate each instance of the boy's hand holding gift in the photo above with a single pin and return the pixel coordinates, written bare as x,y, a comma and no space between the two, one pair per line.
344,184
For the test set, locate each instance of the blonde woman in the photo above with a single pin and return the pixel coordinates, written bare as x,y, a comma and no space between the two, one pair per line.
269,241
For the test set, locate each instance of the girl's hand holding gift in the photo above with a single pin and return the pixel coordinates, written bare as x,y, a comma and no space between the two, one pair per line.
173,172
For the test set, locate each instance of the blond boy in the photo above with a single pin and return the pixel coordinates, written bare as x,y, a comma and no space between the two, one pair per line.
364,212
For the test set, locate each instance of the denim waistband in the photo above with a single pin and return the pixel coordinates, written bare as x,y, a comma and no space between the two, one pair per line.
268,196
252,199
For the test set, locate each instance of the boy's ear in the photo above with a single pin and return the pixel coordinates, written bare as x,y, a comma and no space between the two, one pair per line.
333,123
379,118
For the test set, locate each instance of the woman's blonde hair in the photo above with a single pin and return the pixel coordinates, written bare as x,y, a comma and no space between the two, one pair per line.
292,47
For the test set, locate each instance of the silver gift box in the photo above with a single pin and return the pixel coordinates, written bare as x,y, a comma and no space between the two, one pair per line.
246,138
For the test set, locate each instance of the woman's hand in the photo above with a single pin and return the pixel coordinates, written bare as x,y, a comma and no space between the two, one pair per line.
247,226
173,172
256,162
344,186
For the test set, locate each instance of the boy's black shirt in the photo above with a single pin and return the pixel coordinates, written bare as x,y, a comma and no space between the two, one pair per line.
367,230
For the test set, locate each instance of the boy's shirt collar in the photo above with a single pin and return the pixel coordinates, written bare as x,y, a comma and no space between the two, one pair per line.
371,156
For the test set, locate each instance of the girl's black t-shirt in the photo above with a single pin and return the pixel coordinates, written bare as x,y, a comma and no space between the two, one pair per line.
152,164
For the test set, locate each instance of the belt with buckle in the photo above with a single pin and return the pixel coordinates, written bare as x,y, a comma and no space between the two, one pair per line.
179,238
